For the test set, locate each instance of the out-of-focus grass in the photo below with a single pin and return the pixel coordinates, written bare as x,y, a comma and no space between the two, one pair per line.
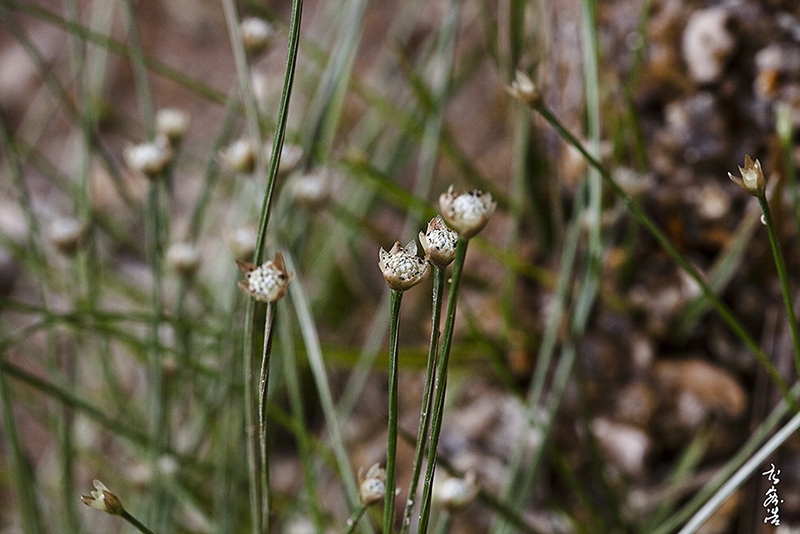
115,366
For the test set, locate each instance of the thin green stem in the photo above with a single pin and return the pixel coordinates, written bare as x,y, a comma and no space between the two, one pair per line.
157,390
251,421
249,321
135,522
391,448
638,212
21,474
780,265
441,383
352,521
427,395
303,437
314,350
266,494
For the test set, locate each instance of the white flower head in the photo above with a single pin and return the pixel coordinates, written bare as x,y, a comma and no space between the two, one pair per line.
402,268
439,242
257,34
752,179
148,158
239,156
102,499
524,90
172,123
184,258
267,282
242,241
67,234
453,492
372,486
312,189
468,212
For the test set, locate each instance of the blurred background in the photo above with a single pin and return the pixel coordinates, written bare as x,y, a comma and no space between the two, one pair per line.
593,386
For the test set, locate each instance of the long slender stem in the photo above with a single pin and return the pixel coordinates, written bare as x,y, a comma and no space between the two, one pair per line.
19,467
272,172
250,414
427,395
391,448
636,210
304,447
316,362
266,494
780,265
157,392
352,522
135,522
441,383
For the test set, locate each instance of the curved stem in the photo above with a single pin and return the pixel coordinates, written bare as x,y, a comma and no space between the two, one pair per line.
391,448
352,522
441,383
427,395
135,522
249,321
780,265
266,494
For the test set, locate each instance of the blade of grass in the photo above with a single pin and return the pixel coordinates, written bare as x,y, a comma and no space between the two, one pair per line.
21,472
251,111
745,453
738,478
176,76
316,361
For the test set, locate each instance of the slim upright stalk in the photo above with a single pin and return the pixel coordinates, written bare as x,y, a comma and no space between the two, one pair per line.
391,449
135,522
157,391
427,396
780,265
441,383
266,494
352,522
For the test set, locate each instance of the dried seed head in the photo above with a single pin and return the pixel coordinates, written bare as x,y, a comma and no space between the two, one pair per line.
172,123
468,212
67,234
439,242
148,158
454,493
290,157
239,156
372,486
104,500
267,282
752,179
257,35
184,258
524,90
402,268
